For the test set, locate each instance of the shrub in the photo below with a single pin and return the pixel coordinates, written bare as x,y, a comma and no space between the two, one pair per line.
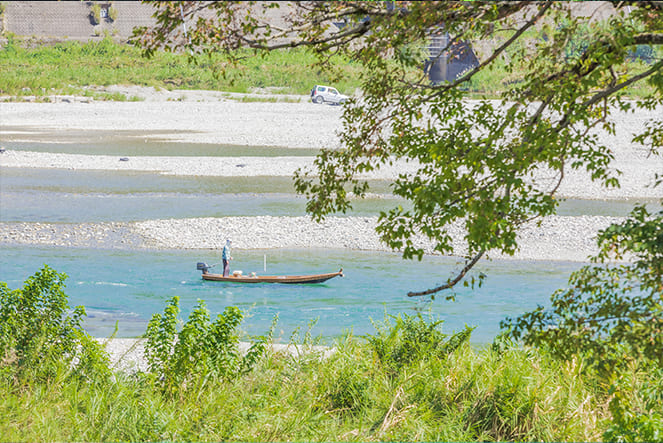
412,339
38,335
637,411
95,14
612,314
112,13
201,349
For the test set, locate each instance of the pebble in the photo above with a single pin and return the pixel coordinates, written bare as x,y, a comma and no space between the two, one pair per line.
128,354
222,121
558,237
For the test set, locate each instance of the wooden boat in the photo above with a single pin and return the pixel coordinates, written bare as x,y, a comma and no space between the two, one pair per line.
285,279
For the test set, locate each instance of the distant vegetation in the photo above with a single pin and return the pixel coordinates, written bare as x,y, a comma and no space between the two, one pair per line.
408,381
69,68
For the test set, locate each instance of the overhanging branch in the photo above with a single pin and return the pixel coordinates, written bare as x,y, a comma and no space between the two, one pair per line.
451,283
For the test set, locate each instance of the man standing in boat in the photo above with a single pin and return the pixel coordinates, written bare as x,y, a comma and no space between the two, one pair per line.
225,256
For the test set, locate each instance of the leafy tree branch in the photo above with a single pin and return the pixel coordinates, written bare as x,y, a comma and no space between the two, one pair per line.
478,163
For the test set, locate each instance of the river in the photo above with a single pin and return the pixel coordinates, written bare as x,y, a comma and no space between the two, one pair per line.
127,287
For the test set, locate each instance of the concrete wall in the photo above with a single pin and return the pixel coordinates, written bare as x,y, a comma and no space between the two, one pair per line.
72,19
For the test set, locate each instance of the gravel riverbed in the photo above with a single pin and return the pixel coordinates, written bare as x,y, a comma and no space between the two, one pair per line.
200,116
558,237
128,354
210,117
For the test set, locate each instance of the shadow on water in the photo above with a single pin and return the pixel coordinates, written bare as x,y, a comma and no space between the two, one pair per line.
129,286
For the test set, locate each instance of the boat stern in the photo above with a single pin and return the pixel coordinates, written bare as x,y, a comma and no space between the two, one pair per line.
203,267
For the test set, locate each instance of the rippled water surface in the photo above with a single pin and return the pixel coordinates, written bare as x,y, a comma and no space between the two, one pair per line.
129,286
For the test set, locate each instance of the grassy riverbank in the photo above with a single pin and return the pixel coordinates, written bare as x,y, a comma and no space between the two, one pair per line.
70,68
466,396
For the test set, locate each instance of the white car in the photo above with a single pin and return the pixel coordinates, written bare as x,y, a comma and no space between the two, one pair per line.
326,94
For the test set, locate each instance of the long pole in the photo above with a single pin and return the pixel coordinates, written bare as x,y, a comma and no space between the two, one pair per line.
184,26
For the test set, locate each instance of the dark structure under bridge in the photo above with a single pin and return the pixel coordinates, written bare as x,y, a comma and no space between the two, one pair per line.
448,59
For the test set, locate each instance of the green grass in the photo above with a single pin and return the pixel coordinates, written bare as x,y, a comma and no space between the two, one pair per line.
66,68
39,70
469,396
472,395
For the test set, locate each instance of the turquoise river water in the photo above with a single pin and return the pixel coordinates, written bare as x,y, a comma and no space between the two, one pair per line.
127,287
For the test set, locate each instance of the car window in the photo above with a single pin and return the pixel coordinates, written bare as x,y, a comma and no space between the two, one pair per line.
333,91
321,88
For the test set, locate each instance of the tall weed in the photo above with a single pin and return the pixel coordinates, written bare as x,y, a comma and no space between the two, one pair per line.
412,339
201,349
38,334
